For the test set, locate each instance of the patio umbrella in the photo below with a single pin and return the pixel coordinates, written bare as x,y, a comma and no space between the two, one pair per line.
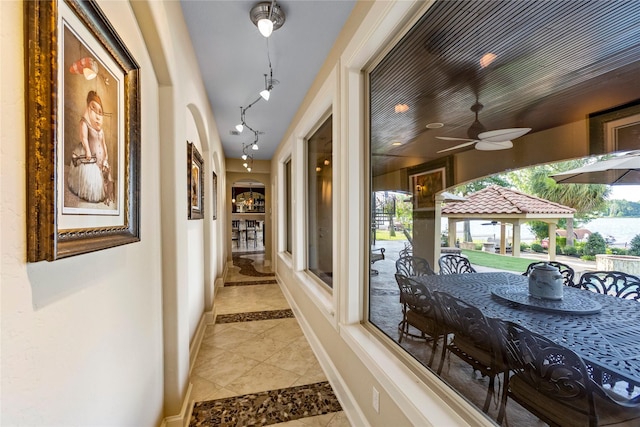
622,170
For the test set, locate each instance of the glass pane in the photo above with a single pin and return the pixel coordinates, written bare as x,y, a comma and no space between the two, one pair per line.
320,199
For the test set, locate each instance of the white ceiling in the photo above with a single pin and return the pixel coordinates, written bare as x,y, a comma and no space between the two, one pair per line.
233,59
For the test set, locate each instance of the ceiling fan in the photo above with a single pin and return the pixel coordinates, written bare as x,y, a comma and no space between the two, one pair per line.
499,139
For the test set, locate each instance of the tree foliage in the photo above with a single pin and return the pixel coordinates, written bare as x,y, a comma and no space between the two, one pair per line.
634,248
595,245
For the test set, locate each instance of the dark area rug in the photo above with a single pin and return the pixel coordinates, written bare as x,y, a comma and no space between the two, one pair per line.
254,315
252,282
247,268
265,408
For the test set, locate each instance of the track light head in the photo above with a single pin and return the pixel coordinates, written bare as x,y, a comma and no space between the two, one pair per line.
255,146
267,16
239,127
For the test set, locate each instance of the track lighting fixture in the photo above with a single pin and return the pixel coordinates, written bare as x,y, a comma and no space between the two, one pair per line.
268,85
267,16
255,146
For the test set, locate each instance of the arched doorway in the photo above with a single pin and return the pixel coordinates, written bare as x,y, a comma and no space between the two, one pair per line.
248,206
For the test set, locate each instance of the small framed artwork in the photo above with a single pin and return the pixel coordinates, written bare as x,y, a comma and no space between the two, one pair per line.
195,182
614,130
214,195
83,121
425,186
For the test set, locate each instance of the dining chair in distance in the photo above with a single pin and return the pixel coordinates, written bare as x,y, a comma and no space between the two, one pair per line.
251,231
454,264
235,232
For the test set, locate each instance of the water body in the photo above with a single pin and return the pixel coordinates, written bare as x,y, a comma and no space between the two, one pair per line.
622,229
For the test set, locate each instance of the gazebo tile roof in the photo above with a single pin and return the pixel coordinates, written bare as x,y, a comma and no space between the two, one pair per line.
497,200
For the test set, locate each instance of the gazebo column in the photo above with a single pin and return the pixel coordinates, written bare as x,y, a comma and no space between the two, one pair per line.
452,231
515,248
503,238
552,241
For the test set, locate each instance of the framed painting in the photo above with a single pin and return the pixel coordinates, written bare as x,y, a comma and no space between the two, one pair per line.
615,130
425,186
83,132
195,182
214,195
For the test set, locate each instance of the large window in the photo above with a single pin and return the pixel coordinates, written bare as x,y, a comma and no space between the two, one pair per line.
320,203
476,88
288,206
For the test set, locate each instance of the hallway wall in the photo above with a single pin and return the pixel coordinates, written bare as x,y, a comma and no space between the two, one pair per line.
81,337
104,338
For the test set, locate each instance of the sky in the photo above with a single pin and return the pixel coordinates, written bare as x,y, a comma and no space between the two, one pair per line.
630,193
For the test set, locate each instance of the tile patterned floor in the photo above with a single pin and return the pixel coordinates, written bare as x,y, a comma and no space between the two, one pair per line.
255,366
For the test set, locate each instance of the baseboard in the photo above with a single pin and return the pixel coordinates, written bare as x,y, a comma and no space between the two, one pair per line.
183,418
349,404
207,318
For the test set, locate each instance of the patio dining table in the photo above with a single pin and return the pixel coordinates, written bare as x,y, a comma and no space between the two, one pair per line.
602,329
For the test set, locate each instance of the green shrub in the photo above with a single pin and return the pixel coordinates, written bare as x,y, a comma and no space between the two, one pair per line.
617,251
479,246
595,245
524,246
537,247
561,241
634,248
588,257
559,250
570,250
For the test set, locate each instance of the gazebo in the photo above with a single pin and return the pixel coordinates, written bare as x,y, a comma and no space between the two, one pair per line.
504,205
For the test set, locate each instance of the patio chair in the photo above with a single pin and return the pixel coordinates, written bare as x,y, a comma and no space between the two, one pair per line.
454,264
419,310
413,266
553,382
473,340
616,283
406,251
566,271
376,254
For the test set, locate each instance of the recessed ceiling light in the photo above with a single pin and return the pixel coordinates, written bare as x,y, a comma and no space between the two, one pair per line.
487,59
396,143
401,108
435,125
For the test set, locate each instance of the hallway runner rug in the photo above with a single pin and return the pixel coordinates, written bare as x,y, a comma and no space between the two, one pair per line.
252,282
254,315
247,268
268,407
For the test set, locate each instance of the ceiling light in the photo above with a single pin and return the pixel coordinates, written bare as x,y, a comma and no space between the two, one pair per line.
244,156
267,16
396,143
249,169
435,125
401,108
326,162
487,59
265,94
240,127
255,146
318,168
245,164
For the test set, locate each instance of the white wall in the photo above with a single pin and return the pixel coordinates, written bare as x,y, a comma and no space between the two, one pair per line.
103,338
81,337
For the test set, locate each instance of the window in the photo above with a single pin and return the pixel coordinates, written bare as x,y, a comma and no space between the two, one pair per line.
434,100
320,203
288,207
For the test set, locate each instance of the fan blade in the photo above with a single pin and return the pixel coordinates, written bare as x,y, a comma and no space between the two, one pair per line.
449,138
493,146
502,135
466,144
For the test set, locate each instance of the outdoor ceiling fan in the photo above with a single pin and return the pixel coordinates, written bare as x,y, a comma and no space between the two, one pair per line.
499,139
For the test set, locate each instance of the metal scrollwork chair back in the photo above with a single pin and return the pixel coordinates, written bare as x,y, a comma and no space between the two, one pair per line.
554,383
413,266
616,283
419,310
454,264
566,271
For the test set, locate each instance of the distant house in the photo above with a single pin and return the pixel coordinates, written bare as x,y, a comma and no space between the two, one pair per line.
580,234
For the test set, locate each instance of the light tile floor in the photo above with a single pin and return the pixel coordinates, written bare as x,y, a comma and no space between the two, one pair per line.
253,356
